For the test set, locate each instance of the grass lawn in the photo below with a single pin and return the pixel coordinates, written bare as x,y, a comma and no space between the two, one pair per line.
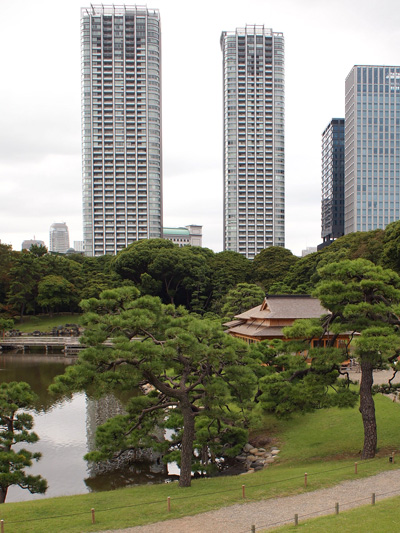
45,323
383,517
324,444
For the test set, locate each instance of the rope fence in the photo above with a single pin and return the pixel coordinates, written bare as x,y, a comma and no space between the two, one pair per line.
168,503
322,512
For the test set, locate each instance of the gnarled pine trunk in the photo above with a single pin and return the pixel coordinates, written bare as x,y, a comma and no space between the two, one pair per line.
185,477
367,410
3,494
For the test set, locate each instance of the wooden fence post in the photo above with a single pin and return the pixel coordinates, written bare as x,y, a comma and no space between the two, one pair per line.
169,503
296,519
93,517
253,529
243,491
373,498
337,508
305,479
2,526
355,467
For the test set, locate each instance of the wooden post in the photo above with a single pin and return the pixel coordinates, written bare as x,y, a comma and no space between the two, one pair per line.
93,517
253,529
373,498
169,503
337,508
305,479
243,491
392,457
2,526
296,519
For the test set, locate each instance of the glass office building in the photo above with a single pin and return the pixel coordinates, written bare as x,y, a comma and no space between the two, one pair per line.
372,147
121,127
254,151
332,204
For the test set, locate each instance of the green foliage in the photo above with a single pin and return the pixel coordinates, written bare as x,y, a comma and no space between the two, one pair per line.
391,247
302,383
272,264
228,269
364,299
15,426
38,250
6,324
24,278
201,376
178,275
7,257
241,298
55,292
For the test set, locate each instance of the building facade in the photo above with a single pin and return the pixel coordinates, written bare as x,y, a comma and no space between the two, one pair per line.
372,147
332,204
254,151
187,236
59,238
27,243
121,127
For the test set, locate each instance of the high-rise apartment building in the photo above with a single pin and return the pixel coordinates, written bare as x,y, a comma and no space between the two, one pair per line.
332,205
372,147
59,237
121,126
254,157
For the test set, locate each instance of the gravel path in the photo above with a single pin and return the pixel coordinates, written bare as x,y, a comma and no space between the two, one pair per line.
278,511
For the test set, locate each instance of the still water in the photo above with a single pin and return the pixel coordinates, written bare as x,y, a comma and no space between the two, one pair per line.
66,433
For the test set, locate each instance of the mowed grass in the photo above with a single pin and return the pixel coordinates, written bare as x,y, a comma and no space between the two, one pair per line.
383,517
324,444
336,433
46,323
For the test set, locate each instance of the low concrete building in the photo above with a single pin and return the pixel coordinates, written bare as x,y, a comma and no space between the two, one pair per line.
185,236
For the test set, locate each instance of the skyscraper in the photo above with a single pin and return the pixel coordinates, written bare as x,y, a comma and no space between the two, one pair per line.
332,206
254,157
59,237
372,147
121,127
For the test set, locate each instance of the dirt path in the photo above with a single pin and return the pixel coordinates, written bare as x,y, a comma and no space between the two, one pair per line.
278,511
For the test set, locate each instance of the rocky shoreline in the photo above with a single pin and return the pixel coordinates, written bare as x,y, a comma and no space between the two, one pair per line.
254,458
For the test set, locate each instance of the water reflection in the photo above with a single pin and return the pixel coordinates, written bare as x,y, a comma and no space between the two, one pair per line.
66,430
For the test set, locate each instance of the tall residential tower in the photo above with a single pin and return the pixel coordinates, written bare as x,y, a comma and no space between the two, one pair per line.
372,147
254,175
332,206
121,126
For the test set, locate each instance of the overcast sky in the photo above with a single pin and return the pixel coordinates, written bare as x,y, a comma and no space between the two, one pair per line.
40,160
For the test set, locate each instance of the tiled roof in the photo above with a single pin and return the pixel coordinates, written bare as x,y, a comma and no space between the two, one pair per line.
285,307
256,331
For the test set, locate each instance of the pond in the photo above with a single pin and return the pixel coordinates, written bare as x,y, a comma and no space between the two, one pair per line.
66,431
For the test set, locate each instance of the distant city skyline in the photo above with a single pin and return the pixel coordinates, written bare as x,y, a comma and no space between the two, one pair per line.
40,148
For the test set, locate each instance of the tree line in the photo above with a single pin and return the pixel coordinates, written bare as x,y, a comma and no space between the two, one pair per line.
36,281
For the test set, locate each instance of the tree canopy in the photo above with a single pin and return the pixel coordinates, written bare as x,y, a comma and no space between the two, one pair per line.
241,298
15,428
202,379
364,300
